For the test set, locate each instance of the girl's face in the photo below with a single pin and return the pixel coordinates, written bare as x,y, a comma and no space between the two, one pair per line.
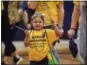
37,23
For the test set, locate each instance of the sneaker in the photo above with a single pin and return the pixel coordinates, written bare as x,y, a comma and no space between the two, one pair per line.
17,60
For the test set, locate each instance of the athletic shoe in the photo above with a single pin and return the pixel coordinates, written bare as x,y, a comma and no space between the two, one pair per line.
17,60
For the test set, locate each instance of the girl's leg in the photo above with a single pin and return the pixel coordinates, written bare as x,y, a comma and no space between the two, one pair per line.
56,54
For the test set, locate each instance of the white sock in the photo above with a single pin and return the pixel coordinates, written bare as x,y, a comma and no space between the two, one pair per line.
17,56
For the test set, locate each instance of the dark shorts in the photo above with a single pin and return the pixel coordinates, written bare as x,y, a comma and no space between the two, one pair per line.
42,62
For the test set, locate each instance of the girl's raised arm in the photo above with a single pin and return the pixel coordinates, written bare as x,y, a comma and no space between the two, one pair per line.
26,40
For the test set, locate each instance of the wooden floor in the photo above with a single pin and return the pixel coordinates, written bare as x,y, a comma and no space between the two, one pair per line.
63,49
64,59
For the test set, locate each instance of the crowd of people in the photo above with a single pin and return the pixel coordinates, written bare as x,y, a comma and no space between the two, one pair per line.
44,27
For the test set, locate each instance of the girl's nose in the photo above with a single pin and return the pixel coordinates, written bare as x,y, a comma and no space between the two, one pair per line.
37,23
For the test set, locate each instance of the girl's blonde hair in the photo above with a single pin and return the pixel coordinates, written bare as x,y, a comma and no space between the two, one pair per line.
38,15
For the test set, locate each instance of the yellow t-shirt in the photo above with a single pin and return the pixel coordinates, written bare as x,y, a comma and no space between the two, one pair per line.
40,42
48,9
76,3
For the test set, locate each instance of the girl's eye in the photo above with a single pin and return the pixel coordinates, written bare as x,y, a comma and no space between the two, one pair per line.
39,21
35,21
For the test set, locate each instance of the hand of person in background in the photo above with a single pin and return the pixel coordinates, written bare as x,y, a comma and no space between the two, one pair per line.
22,5
71,33
20,11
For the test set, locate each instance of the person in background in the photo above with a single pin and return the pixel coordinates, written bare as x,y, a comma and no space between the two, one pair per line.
78,18
9,18
83,31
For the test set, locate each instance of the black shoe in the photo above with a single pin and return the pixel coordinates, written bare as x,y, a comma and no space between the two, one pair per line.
17,60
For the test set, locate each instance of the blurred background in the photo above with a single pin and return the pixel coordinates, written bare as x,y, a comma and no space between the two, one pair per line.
68,7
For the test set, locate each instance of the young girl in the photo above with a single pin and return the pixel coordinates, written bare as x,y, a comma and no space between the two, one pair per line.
40,40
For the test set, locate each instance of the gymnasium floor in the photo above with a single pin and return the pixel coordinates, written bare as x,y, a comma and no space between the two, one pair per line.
62,47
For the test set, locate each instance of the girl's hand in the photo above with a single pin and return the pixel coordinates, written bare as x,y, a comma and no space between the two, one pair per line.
61,32
26,40
53,22
26,33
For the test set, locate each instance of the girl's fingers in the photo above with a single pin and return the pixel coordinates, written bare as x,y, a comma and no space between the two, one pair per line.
26,32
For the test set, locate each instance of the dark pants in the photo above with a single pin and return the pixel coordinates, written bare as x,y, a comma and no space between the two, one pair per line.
42,62
6,32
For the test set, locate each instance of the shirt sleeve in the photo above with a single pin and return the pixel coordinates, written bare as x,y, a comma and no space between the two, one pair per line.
59,2
24,5
51,36
76,3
